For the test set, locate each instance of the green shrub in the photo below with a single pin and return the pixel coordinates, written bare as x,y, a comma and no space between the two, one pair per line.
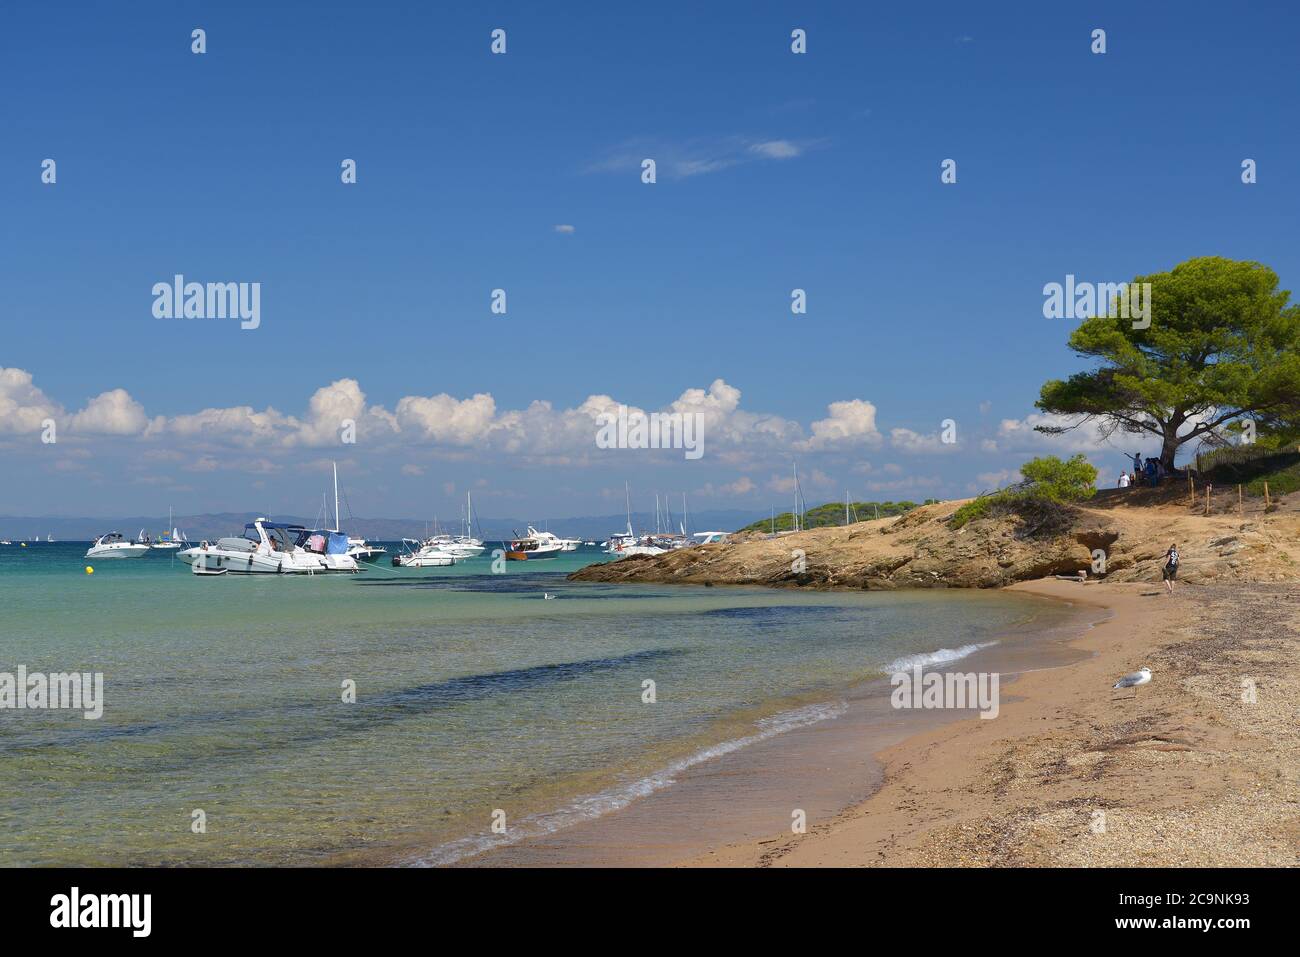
1049,483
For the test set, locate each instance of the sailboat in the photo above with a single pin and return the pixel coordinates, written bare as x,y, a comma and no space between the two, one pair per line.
358,548
169,541
331,544
624,545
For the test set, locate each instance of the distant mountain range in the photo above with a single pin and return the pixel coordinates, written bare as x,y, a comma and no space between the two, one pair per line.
210,526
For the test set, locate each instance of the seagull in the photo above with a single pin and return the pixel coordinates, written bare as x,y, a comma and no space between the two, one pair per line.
1140,677
547,596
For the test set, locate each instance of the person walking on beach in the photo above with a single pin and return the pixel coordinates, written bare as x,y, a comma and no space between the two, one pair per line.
1170,571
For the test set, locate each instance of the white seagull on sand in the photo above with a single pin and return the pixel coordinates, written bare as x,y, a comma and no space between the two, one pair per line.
1140,677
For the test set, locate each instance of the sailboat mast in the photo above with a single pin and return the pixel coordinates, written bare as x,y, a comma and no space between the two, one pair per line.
337,526
794,516
627,494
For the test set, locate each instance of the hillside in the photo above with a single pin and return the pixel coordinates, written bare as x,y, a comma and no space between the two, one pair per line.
832,513
1133,527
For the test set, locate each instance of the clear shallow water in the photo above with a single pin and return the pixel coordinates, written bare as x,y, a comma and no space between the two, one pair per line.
473,694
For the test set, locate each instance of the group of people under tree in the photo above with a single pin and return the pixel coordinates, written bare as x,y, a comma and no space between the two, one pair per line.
1147,473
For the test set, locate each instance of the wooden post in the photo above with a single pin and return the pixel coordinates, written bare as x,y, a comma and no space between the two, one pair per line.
1241,509
1207,498
1266,496
1191,485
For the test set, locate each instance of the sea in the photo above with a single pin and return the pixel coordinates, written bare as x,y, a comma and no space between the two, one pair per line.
404,716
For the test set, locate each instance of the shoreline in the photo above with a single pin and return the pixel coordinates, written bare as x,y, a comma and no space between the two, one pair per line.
744,794
1184,774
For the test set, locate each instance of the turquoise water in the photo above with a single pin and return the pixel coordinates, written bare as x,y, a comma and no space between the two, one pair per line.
473,694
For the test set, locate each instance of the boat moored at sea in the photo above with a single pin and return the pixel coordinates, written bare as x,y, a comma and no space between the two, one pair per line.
273,548
116,545
534,546
170,541
426,554
364,551
710,538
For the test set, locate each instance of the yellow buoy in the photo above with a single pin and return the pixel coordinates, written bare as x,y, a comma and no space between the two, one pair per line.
89,570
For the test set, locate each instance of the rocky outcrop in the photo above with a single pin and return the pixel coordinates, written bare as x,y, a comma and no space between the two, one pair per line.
922,550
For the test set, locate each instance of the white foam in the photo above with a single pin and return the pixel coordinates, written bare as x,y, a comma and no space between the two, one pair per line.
595,805
942,656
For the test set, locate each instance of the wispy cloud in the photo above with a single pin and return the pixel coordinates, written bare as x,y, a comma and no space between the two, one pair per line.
565,228
776,149
698,157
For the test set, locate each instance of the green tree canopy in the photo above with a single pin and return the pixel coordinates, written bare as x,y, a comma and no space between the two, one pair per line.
1223,344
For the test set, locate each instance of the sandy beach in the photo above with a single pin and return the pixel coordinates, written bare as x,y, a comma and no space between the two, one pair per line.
1070,773
1186,773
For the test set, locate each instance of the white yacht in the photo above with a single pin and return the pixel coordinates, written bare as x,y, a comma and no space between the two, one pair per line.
464,545
116,545
426,554
364,551
646,545
535,545
710,538
272,548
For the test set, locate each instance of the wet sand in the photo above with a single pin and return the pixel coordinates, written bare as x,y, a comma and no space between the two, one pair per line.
748,798
1185,773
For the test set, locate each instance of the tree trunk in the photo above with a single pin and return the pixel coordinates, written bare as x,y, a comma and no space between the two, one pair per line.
1170,448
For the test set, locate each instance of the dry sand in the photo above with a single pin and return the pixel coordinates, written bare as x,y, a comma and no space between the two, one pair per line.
1071,773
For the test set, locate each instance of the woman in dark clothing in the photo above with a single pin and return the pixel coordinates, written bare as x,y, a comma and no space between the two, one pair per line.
1170,571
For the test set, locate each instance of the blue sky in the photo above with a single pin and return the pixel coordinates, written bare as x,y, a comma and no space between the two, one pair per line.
776,171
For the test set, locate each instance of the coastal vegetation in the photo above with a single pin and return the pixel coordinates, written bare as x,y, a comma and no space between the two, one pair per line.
832,513
1049,484
1220,347
1253,468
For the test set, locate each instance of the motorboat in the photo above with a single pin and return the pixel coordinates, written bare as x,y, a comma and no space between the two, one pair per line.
459,546
332,547
364,551
710,538
642,546
116,545
533,546
268,547
426,554
464,545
